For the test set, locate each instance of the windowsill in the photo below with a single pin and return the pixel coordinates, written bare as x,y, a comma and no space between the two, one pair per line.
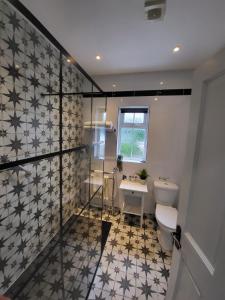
134,161
124,161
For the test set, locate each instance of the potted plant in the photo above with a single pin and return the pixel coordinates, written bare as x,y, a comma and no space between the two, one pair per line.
143,175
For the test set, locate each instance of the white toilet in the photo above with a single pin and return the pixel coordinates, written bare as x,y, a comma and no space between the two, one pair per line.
165,194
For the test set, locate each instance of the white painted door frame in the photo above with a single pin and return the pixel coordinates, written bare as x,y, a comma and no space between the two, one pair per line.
213,68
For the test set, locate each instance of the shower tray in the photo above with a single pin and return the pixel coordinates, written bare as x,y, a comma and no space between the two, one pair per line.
67,266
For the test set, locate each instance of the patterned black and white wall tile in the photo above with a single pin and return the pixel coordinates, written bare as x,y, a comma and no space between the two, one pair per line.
73,82
29,66
75,165
75,189
29,126
29,215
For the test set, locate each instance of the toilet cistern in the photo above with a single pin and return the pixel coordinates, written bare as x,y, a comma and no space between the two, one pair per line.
165,193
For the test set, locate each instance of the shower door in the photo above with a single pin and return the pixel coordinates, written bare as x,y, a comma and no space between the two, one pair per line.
50,240
82,233
29,142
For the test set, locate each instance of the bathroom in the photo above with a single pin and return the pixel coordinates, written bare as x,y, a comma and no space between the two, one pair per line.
107,155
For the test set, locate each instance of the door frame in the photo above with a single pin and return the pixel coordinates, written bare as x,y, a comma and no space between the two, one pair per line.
203,75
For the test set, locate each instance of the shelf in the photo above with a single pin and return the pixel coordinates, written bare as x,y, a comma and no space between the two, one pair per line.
132,204
132,210
94,180
100,127
97,125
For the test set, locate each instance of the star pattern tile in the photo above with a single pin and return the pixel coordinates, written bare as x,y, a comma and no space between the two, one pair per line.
29,126
61,272
29,66
133,260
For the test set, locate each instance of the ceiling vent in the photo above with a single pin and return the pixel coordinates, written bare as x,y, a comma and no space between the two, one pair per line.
155,9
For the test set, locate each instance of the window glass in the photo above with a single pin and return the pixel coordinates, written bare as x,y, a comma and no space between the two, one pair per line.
139,118
132,136
128,117
132,145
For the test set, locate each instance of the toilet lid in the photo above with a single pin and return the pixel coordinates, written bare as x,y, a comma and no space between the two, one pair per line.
166,215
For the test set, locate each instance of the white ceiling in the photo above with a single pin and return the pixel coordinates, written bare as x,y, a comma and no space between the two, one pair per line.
118,31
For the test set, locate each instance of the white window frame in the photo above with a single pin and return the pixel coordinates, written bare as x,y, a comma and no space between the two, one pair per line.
144,125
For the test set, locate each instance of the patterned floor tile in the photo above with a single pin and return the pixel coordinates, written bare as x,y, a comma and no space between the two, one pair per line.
68,269
133,263
133,266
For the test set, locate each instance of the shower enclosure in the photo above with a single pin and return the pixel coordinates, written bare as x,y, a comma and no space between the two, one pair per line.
50,246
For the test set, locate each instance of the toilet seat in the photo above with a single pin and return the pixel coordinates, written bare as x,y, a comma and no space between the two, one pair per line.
167,216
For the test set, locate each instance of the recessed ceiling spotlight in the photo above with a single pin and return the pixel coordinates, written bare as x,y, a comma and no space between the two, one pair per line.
156,99
161,82
114,85
68,60
176,49
98,57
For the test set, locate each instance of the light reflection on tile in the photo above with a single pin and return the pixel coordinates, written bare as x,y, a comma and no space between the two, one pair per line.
63,274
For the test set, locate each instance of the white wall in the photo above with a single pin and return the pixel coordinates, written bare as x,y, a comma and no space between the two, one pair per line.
167,129
146,81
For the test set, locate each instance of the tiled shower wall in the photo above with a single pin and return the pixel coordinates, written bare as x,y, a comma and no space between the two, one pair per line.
29,126
76,164
29,67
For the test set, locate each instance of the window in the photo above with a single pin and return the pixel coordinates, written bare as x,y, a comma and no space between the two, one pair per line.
133,133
